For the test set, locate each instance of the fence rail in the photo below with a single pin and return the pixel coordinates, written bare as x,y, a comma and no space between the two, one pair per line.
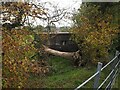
114,64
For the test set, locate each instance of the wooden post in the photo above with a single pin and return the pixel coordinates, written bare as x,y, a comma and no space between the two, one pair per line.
96,81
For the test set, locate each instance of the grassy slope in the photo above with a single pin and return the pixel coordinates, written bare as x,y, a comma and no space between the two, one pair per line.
64,75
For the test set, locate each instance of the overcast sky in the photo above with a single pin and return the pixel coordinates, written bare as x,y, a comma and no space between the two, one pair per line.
70,5
65,3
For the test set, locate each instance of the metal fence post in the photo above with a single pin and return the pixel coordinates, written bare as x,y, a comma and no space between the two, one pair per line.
118,58
117,53
113,68
119,63
97,77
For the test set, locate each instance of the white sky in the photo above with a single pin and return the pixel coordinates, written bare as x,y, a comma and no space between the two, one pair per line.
70,5
64,3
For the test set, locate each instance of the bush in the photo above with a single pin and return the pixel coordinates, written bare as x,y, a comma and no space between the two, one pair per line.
20,59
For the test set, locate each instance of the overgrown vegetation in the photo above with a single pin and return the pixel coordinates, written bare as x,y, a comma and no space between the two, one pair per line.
16,51
20,58
95,30
64,75
24,61
20,55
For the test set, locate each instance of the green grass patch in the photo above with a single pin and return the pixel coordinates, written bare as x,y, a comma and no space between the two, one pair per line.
64,75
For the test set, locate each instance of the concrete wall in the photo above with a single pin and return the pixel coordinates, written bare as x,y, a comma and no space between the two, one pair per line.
62,42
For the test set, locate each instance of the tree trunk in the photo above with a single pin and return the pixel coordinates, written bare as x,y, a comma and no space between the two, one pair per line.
75,56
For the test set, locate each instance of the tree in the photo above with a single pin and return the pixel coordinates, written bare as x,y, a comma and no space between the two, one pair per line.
94,31
15,57
38,29
65,29
19,13
53,14
17,44
74,56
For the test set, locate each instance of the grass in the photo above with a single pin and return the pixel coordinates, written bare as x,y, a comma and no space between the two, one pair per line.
65,75
117,82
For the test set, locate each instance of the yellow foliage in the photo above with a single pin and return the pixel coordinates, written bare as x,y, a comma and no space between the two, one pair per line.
94,34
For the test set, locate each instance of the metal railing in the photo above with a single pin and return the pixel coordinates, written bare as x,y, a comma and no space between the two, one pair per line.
114,65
